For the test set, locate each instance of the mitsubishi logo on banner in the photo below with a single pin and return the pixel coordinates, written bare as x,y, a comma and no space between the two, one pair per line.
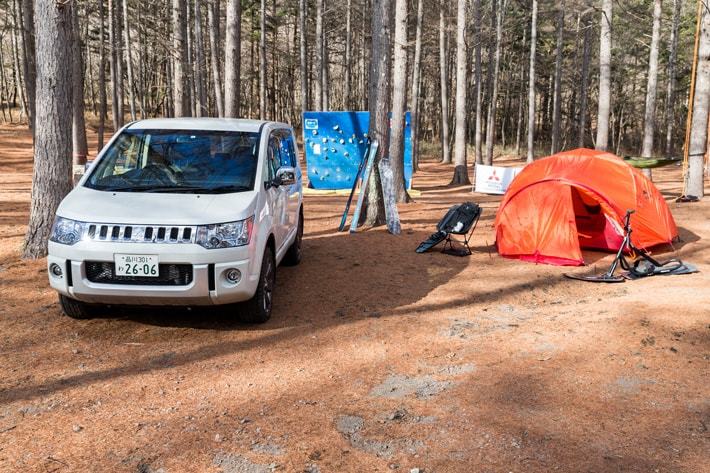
494,179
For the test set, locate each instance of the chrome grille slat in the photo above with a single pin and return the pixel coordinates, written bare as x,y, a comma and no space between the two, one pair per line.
130,233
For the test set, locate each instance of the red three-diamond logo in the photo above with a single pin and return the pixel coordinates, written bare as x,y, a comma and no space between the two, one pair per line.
493,176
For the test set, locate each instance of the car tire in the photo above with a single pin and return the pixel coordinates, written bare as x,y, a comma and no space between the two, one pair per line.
295,251
258,309
76,309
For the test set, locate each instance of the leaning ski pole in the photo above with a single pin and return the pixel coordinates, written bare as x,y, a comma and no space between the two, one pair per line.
363,189
361,166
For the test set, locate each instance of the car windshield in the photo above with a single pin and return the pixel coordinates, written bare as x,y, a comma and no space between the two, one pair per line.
178,161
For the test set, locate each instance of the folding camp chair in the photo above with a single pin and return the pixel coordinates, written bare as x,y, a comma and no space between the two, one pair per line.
459,220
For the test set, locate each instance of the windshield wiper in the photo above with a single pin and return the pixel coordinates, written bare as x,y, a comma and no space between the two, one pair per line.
179,189
225,189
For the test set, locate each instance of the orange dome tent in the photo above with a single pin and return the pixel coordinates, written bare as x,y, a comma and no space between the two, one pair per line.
577,199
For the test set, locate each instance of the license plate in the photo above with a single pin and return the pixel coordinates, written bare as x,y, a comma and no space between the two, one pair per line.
136,265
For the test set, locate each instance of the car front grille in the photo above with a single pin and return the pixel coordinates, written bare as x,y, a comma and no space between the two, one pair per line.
120,233
103,272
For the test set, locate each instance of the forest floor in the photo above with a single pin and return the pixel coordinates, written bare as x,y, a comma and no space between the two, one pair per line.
375,359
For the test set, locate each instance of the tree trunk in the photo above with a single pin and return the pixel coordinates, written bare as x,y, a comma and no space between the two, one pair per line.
519,126
30,63
347,70
493,100
651,86
188,65
115,67
19,86
129,62
102,77
79,146
461,167
586,56
319,63
670,91
180,63
232,60
199,64
399,99
262,62
51,180
479,78
444,133
302,12
325,72
379,87
531,85
697,145
119,64
557,98
416,86
213,20
604,76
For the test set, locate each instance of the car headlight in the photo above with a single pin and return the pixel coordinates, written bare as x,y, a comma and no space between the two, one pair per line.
66,231
225,235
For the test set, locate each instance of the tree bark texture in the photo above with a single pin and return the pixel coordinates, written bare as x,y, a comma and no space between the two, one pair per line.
460,164
79,146
604,107
416,85
651,86
213,20
444,85
399,99
180,63
531,85
493,100
303,54
697,147
103,106
199,64
319,62
51,179
379,86
262,62
671,78
478,139
557,104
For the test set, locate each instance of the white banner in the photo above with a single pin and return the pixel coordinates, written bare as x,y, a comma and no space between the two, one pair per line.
494,179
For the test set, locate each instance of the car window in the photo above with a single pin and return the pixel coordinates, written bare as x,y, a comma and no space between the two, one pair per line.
287,150
272,157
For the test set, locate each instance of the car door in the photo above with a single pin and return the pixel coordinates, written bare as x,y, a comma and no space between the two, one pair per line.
290,158
277,197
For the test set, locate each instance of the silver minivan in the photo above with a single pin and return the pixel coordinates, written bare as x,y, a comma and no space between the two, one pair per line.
186,211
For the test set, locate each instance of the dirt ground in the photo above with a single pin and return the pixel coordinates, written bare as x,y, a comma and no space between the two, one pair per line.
376,359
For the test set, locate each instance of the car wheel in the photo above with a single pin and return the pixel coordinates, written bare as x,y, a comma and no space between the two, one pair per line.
258,309
76,309
295,252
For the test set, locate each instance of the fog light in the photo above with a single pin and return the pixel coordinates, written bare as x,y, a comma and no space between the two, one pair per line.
233,275
56,270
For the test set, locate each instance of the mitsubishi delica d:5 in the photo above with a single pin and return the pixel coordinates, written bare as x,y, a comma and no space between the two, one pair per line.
181,212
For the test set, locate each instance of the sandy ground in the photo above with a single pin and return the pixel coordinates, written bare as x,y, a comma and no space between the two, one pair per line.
376,359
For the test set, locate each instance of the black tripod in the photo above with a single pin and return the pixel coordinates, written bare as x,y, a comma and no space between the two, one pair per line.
641,267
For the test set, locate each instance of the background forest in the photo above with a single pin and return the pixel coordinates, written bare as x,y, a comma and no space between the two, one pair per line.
133,53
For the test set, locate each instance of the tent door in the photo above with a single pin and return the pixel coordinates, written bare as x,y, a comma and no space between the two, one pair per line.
595,228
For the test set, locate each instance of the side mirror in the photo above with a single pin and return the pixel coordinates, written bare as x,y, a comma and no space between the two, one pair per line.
285,176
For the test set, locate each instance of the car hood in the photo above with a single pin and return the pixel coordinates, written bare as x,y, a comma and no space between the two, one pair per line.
144,208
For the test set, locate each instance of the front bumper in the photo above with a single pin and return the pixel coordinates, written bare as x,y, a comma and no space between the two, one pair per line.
203,290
